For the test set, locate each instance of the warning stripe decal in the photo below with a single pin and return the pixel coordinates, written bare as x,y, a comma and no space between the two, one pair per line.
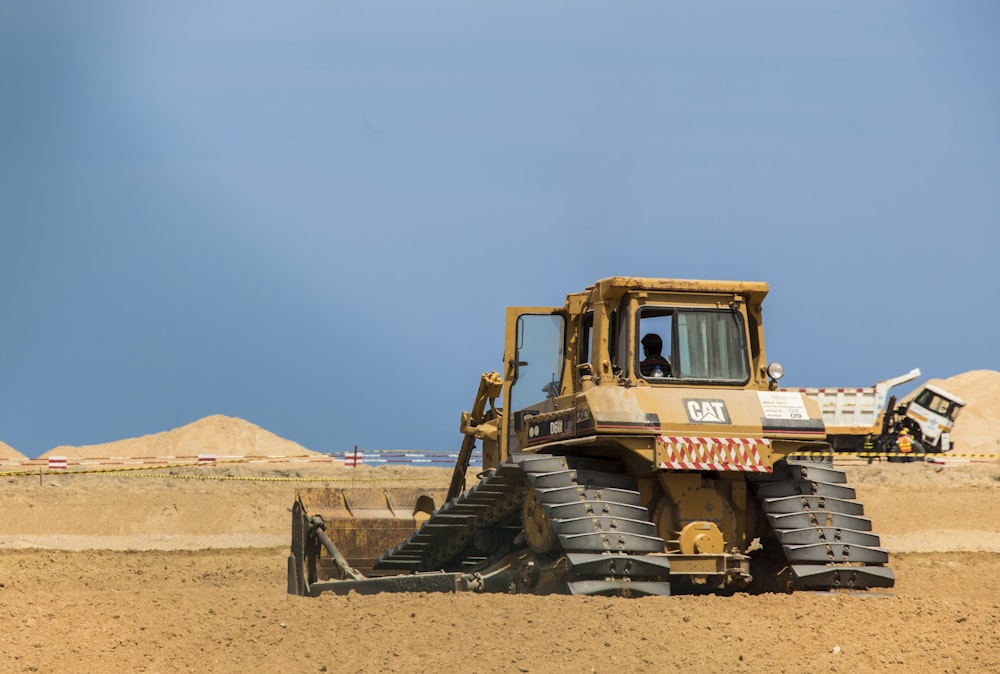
706,453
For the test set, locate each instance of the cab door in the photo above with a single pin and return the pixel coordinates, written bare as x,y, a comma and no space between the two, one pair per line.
534,366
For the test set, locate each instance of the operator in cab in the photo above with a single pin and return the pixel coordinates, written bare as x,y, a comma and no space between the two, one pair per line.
653,363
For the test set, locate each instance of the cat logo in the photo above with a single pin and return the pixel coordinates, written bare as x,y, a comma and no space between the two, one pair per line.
706,411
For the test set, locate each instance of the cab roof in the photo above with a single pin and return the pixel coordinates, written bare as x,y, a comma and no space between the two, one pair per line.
625,283
945,394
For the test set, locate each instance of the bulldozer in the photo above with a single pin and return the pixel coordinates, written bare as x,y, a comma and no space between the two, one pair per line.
635,443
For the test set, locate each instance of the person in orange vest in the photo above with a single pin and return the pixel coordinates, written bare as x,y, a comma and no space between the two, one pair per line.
905,443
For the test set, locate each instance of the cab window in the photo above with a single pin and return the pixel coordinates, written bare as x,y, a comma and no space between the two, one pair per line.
656,339
539,355
700,344
937,404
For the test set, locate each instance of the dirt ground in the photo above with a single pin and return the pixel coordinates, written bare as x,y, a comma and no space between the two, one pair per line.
181,571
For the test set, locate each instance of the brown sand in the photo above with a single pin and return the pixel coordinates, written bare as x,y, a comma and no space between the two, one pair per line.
169,573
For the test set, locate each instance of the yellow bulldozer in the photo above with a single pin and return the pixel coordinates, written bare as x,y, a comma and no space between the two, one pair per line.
636,443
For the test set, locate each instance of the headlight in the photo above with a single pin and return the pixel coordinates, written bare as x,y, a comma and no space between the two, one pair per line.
775,371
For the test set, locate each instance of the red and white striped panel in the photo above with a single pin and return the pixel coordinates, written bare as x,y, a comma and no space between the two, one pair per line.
58,463
724,454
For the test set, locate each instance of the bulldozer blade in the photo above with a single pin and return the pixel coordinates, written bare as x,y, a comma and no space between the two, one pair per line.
364,522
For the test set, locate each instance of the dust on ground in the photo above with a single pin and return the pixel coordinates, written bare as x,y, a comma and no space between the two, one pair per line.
176,573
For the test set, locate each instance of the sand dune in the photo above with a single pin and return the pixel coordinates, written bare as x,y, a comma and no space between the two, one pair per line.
8,452
216,434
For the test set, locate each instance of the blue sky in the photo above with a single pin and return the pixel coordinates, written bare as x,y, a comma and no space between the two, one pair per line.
311,215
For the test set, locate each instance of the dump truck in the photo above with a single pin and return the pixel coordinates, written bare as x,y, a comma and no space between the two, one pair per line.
869,421
613,464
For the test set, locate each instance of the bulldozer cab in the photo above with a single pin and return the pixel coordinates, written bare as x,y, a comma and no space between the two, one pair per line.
626,332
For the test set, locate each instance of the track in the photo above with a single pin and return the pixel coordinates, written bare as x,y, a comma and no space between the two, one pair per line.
576,522
825,541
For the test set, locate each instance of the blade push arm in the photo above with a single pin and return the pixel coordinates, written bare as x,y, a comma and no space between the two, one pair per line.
489,390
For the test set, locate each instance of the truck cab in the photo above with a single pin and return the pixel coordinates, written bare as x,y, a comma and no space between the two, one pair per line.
933,412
